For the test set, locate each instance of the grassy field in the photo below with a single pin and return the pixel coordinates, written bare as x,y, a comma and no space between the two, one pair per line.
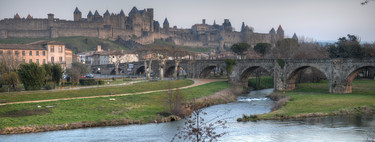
313,98
144,107
138,87
77,44
265,82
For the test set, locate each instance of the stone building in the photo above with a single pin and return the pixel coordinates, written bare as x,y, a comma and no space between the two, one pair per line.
40,53
101,57
138,26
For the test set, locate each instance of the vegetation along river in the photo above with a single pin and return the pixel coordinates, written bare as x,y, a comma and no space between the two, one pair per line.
312,129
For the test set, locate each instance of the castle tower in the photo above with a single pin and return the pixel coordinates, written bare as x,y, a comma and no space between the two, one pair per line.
29,17
17,16
107,17
122,18
150,13
295,36
280,33
133,12
97,16
166,25
77,15
156,26
227,25
243,27
90,16
273,36
204,21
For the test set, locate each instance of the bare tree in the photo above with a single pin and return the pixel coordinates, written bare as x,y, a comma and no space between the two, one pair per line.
178,54
198,130
9,62
120,57
366,2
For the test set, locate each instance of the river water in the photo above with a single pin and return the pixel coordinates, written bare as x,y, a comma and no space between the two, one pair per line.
316,129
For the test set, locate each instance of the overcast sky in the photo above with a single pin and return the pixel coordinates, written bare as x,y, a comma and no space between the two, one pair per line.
322,20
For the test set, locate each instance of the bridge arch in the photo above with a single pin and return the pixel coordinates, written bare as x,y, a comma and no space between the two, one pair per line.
350,76
141,70
170,70
246,73
295,72
205,72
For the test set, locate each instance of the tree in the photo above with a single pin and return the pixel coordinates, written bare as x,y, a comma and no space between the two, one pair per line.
76,71
47,68
262,48
32,76
285,49
174,102
10,79
178,54
346,48
199,130
240,48
9,62
57,73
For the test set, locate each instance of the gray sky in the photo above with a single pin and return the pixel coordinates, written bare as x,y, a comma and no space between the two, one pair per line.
321,20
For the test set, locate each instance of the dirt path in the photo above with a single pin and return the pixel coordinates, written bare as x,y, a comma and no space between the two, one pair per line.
197,82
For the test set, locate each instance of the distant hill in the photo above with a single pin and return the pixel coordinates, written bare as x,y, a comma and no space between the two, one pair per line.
77,44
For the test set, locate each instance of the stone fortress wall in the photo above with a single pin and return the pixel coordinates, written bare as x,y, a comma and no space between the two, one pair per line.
138,25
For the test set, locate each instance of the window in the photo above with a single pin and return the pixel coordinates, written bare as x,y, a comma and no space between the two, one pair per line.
52,49
44,61
31,53
52,59
37,53
44,53
23,53
37,61
1,52
31,60
10,52
60,59
60,50
23,61
16,52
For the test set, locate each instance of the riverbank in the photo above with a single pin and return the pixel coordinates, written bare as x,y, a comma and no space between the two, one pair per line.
314,100
93,112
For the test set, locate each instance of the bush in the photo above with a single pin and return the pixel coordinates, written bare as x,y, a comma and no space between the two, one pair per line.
70,83
87,81
49,86
32,76
101,82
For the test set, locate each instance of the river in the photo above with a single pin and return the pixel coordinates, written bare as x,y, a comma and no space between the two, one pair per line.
315,129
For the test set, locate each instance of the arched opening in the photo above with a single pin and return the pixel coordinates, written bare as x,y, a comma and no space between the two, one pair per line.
257,77
212,72
170,71
306,74
140,70
113,72
363,74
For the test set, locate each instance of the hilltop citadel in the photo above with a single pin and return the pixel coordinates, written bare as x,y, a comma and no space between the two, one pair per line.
138,25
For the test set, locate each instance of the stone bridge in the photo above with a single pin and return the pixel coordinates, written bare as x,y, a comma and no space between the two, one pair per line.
339,72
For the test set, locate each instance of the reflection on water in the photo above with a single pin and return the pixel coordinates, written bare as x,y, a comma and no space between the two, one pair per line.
312,129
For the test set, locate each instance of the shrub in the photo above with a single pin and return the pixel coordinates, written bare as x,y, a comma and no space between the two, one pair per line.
101,82
32,76
49,86
230,63
281,63
87,81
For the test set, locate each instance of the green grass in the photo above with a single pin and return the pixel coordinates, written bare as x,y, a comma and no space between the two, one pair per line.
144,107
265,82
315,98
77,44
138,87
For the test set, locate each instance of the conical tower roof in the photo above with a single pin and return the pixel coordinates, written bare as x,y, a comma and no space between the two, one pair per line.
106,12
280,29
17,16
272,31
165,21
76,11
90,14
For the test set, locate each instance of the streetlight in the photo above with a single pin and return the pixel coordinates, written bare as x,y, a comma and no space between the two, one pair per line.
100,73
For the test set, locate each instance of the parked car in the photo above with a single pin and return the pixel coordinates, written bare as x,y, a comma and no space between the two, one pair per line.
83,76
89,76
